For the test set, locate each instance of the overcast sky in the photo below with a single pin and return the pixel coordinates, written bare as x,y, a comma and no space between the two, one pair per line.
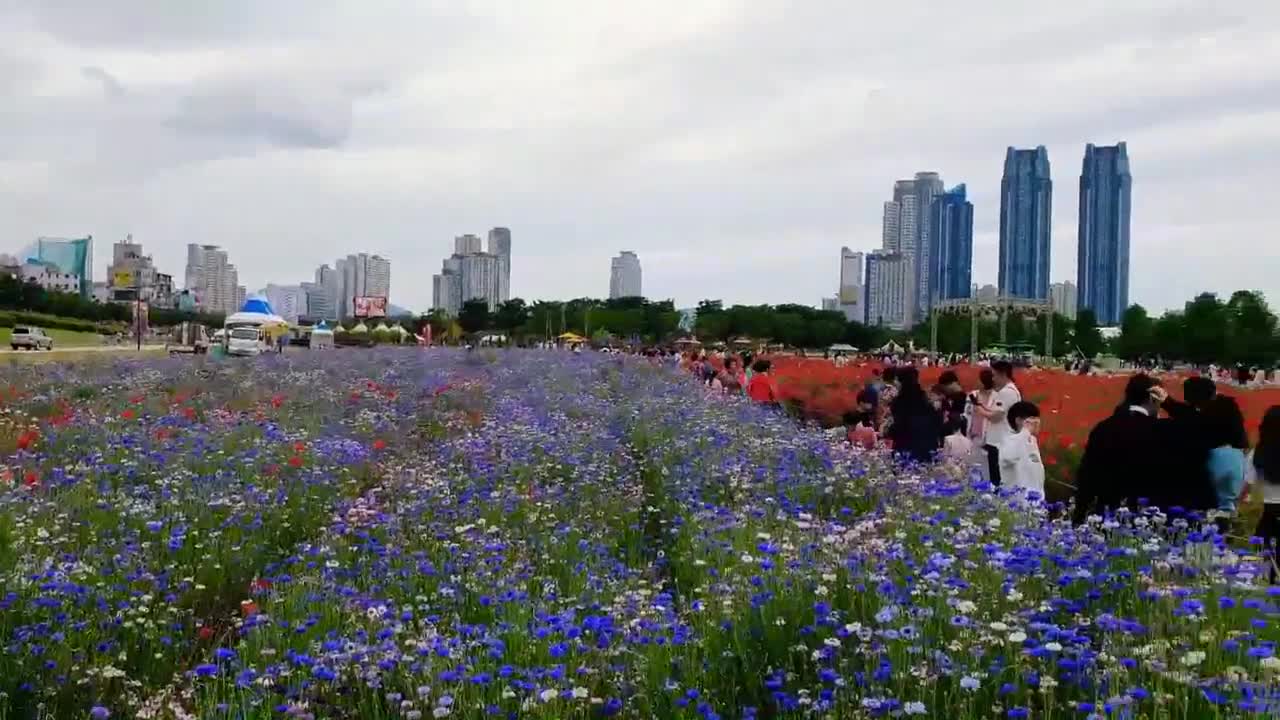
734,145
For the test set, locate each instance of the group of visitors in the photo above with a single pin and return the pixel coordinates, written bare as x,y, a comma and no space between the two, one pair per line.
1192,459
992,419
733,374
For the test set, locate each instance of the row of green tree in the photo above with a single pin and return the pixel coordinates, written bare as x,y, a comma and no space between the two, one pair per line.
642,320
1070,337
622,318
1206,330
15,294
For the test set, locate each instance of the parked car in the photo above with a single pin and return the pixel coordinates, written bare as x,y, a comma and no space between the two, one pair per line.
29,338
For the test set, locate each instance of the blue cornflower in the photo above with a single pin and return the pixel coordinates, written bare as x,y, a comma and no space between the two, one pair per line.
206,670
99,713
224,654
320,672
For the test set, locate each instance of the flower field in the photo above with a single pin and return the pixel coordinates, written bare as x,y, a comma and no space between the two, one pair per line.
403,534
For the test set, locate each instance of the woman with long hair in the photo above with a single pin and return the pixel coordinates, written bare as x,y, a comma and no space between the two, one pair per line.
916,428
1225,425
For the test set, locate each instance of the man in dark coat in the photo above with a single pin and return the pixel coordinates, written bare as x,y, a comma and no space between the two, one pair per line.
1134,454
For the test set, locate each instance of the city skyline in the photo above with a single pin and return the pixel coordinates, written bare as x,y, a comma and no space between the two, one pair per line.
733,150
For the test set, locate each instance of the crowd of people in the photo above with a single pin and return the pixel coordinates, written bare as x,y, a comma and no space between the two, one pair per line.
1183,456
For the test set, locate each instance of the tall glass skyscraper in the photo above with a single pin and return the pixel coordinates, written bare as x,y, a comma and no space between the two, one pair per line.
1026,217
1102,265
950,249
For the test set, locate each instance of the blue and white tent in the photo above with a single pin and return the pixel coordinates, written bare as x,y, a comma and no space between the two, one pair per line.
256,311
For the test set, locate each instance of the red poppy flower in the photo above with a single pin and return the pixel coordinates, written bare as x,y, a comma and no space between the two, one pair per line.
248,608
205,633
277,401
379,444
295,461
128,414
260,584
299,447
27,439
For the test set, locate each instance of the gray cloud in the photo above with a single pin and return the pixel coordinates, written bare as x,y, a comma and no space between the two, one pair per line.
110,85
736,146
278,116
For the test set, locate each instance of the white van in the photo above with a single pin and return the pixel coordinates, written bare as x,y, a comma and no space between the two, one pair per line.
245,340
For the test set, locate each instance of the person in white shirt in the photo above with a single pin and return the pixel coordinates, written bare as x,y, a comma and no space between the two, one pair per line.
1020,462
995,416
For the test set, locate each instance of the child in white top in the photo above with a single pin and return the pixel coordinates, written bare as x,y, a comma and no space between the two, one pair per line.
955,446
1020,463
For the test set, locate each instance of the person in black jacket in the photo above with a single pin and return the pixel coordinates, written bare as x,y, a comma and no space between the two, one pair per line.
1187,438
916,430
1134,455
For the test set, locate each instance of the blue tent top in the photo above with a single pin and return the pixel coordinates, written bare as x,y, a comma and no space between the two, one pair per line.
321,326
257,305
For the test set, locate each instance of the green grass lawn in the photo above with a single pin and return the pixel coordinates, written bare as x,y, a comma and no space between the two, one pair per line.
61,338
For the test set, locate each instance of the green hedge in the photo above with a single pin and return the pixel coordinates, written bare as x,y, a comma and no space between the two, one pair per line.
9,318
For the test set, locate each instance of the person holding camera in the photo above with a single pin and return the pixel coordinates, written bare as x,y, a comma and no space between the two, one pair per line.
995,415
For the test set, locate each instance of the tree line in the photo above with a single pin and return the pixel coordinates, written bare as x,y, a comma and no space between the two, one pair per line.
1206,330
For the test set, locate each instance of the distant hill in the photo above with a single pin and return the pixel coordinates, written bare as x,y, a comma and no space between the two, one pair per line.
397,311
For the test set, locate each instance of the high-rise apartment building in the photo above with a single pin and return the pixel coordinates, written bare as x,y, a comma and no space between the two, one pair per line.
850,295
213,279
500,245
928,185
479,278
446,292
324,294
987,293
1026,219
1102,263
288,301
362,275
378,274
886,289
624,276
906,231
472,274
950,246
1063,297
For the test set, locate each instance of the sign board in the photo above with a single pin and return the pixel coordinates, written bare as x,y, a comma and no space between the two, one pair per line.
122,279
370,307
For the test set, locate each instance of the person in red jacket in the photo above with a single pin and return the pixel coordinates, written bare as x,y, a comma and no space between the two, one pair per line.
761,388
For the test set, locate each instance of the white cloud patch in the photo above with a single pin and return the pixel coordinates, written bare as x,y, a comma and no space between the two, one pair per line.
734,145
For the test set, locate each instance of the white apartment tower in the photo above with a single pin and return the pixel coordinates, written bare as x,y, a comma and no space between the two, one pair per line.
500,245
624,276
213,279
886,289
851,285
1063,295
